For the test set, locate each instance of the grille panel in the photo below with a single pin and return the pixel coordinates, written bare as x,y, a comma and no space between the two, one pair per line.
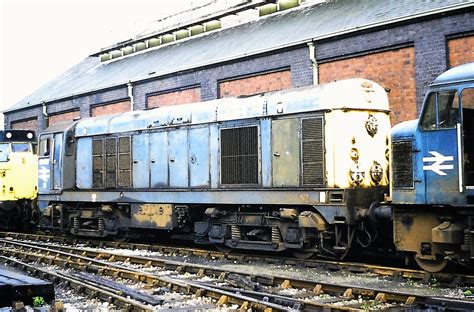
312,145
97,164
239,155
402,154
124,163
110,162
115,162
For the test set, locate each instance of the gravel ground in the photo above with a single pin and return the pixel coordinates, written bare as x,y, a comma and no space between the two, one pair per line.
312,274
173,300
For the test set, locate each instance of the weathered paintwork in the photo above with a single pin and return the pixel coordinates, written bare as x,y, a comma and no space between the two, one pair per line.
180,147
437,148
18,179
155,216
293,148
433,216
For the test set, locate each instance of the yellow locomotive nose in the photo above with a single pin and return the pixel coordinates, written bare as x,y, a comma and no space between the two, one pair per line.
18,178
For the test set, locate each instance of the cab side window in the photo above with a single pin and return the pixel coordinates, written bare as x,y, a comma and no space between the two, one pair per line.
428,121
448,109
441,111
44,147
4,151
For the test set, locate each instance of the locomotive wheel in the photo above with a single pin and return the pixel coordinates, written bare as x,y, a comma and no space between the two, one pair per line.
302,254
122,239
223,248
432,266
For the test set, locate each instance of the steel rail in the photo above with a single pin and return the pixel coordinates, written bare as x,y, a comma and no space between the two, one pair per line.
353,267
100,291
343,291
224,294
104,267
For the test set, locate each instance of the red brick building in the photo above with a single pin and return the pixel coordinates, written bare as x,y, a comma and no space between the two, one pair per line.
402,45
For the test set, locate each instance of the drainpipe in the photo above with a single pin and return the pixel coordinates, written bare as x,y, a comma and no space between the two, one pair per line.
314,62
45,114
130,95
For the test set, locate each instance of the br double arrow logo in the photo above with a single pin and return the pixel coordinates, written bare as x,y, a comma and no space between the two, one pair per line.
437,161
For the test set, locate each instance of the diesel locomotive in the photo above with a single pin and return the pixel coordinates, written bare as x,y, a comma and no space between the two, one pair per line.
18,180
433,174
295,170
313,170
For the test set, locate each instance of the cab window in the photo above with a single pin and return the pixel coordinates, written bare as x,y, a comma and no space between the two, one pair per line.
441,111
44,147
4,151
20,147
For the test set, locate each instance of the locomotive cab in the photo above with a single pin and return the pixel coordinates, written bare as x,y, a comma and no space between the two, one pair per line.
18,179
433,174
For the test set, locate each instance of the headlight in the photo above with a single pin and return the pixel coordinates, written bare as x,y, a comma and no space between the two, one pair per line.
376,172
357,173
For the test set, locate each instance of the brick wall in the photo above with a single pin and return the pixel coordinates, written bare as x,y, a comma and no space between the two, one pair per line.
430,37
460,50
52,119
394,70
190,95
208,79
256,84
110,109
26,124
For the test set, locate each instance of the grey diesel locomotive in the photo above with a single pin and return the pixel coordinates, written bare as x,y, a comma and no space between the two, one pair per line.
291,170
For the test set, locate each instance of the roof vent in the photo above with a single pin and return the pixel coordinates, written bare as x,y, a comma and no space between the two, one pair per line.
154,42
267,9
287,4
212,25
127,50
139,46
116,53
167,38
181,34
105,57
196,30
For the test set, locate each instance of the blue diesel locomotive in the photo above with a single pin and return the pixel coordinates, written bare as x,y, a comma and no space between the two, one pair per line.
433,174
292,170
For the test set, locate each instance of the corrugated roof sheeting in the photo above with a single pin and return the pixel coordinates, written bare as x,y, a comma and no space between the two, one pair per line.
275,31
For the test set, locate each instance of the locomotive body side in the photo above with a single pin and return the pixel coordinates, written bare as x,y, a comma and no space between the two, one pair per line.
433,174
295,169
18,179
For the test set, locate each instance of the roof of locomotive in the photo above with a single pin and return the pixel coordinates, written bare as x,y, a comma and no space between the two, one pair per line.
359,94
275,31
461,73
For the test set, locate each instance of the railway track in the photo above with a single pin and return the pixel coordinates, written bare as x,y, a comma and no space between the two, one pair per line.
259,292
321,264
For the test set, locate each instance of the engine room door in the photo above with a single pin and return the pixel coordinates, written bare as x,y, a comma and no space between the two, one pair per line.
286,152
141,160
178,158
441,148
199,154
56,160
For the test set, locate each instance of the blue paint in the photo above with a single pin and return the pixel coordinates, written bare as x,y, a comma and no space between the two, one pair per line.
178,158
159,159
141,160
84,163
198,139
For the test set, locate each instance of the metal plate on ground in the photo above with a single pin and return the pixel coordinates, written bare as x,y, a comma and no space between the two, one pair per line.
15,286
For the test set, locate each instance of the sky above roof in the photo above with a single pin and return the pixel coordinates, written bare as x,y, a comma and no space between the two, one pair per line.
41,39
